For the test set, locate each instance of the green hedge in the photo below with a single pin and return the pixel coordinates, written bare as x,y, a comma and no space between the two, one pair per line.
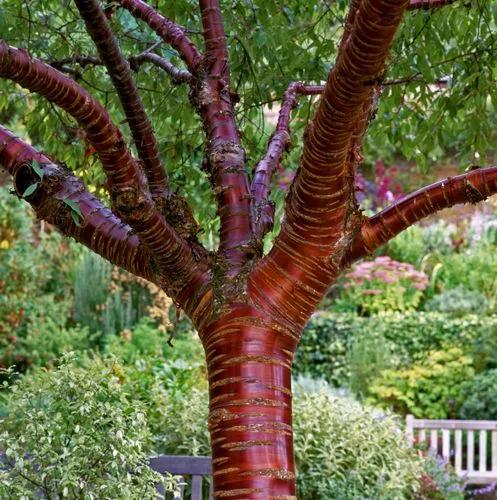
327,339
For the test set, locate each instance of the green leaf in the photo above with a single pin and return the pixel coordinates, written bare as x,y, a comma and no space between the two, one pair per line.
30,190
38,169
76,218
76,214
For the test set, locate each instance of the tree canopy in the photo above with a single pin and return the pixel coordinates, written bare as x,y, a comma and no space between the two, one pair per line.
438,98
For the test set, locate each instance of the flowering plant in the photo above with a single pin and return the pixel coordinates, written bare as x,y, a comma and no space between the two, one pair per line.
382,191
382,284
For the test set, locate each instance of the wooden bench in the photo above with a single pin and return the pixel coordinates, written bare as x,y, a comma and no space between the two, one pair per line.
196,467
474,464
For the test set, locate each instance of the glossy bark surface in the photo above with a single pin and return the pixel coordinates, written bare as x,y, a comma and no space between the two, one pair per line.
249,360
249,309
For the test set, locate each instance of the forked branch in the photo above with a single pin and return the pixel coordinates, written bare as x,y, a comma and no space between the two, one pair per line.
119,71
62,199
172,256
321,215
471,187
169,31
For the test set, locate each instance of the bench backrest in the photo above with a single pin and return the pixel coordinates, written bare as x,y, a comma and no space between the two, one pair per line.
469,445
181,466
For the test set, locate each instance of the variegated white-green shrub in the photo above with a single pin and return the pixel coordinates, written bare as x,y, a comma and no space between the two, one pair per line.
347,451
75,433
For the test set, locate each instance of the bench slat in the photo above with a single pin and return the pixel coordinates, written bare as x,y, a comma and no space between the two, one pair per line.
471,451
179,464
458,451
446,444
494,450
483,451
196,487
434,442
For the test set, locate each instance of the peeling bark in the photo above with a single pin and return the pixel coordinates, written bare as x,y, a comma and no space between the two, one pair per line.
249,311
471,187
100,230
131,199
249,359
321,214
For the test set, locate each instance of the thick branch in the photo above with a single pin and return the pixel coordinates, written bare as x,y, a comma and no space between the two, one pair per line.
216,50
104,136
471,187
262,208
225,157
169,31
321,212
428,4
99,229
173,257
119,71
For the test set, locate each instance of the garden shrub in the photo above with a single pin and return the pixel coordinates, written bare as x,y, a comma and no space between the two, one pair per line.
381,285
458,301
474,269
142,341
368,355
43,335
34,266
439,481
479,397
431,388
171,383
322,352
347,451
328,338
109,300
408,246
75,432
416,242
46,341
145,340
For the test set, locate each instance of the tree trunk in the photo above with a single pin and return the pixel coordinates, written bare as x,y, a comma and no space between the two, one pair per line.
249,361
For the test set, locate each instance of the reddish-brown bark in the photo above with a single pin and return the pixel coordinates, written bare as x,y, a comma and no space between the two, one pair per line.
249,311
100,230
321,216
98,27
249,359
128,188
262,208
168,30
471,187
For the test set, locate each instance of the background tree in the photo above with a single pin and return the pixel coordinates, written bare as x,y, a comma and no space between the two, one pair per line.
249,306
